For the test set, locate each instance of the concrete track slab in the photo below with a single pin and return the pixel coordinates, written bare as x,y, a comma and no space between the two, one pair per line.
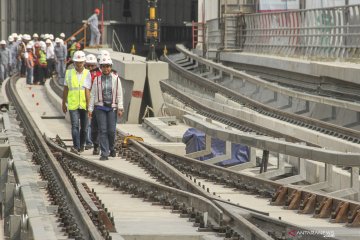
339,70
277,212
136,219
35,99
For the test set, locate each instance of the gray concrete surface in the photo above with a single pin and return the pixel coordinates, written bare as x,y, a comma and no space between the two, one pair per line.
345,71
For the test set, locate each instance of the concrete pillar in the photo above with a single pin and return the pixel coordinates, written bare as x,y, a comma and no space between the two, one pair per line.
156,72
133,84
3,19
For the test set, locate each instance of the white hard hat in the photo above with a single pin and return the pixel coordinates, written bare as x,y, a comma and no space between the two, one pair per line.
29,46
14,35
62,35
51,37
35,35
79,56
48,41
91,59
103,53
105,60
57,40
2,42
11,39
42,35
27,37
42,44
46,36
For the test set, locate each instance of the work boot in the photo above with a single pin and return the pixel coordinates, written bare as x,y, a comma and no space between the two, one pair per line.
89,146
96,150
74,150
104,158
82,148
112,153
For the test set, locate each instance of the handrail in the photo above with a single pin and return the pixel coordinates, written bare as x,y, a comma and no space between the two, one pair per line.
312,33
82,29
119,47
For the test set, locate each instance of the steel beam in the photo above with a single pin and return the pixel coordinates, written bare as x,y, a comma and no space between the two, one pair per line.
262,142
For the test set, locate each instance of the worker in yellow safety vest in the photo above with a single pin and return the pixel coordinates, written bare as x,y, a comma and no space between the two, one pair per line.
76,94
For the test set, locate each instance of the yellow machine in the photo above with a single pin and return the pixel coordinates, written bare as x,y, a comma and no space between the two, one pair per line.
152,29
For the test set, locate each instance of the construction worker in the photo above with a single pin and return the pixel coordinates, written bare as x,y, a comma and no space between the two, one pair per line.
40,64
29,63
62,38
91,65
35,37
94,28
4,61
50,58
106,101
72,48
60,59
21,53
76,94
12,46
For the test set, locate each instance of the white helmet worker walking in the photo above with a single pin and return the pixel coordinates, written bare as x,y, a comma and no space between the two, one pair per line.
79,56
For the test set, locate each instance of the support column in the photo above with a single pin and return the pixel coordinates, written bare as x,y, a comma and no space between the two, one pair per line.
3,19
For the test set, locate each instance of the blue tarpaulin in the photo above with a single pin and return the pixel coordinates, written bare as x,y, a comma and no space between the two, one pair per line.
195,141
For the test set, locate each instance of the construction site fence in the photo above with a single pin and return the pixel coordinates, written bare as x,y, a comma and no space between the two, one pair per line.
325,33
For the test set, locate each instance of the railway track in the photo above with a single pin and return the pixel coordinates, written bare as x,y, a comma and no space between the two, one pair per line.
211,87
198,178
81,212
71,213
321,205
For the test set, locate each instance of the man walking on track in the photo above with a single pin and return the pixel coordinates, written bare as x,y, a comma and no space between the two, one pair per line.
76,94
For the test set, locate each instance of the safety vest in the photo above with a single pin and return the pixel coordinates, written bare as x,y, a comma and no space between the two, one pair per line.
42,59
76,95
72,49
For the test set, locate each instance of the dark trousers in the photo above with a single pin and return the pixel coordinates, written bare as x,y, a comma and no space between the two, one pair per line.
23,67
79,121
94,130
106,121
50,67
42,74
36,74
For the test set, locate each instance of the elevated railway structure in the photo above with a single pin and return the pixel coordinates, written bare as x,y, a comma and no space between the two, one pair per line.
229,203
302,176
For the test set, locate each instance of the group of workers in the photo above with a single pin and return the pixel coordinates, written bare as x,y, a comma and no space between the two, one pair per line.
93,96
36,57
40,57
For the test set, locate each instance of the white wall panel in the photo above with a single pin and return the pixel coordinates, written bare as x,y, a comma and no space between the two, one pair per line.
211,9
310,4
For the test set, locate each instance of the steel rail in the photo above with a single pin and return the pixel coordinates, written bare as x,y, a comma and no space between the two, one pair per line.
82,220
257,185
313,124
187,185
235,122
274,87
120,179
252,232
218,175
